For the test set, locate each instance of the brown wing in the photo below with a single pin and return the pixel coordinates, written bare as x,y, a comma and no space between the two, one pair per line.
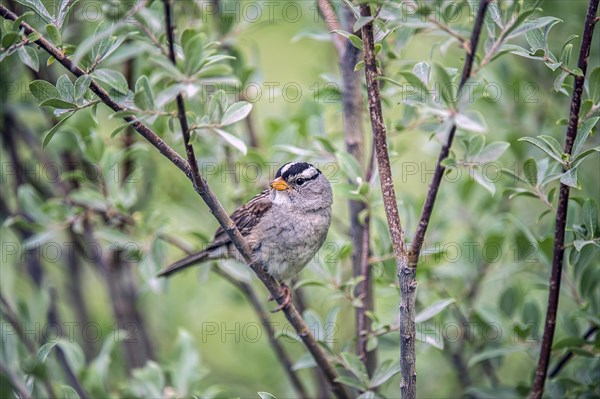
245,218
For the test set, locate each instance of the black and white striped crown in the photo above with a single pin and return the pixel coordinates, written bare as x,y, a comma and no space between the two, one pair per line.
294,169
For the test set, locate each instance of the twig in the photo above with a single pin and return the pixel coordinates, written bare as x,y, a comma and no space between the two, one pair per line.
427,210
260,311
352,106
406,275
561,215
569,355
328,14
464,42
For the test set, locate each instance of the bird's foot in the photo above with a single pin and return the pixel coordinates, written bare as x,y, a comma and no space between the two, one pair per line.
287,298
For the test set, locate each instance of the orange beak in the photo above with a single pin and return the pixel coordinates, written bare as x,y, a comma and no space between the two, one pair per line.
279,184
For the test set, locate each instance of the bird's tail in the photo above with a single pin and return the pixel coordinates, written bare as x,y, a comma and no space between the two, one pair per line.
184,263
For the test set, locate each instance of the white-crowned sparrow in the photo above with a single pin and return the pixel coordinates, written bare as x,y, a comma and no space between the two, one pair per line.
284,225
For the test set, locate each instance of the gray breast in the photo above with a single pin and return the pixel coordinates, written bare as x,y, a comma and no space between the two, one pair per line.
289,243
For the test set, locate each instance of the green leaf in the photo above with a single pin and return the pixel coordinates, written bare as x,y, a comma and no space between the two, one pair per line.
447,89
53,34
553,144
232,140
355,40
558,83
306,361
43,90
469,122
484,181
355,366
569,178
359,65
590,217
50,133
66,89
422,70
193,49
114,79
594,85
29,57
56,103
510,300
69,392
496,352
565,54
32,37
266,395
44,351
416,82
81,85
349,165
568,342
582,135
351,381
542,145
492,152
366,395
360,22
9,39
144,97
475,145
535,38
16,25
39,8
530,171
432,310
384,372
185,363
520,20
534,24
236,112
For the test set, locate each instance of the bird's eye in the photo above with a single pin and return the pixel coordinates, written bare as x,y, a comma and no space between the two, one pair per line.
300,181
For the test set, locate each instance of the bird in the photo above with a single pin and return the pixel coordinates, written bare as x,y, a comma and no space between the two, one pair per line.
284,225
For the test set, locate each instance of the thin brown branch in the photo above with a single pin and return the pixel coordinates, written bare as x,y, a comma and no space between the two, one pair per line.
427,210
464,42
406,275
537,389
352,107
328,14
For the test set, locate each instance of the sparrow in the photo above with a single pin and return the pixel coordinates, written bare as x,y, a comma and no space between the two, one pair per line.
285,225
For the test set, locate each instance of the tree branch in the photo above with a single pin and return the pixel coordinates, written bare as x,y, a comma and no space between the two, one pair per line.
202,188
415,249
328,13
405,274
537,389
352,107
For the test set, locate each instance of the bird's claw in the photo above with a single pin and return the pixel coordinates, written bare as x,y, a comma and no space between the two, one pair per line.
287,298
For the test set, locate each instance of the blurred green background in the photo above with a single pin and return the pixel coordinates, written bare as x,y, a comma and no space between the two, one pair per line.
275,53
